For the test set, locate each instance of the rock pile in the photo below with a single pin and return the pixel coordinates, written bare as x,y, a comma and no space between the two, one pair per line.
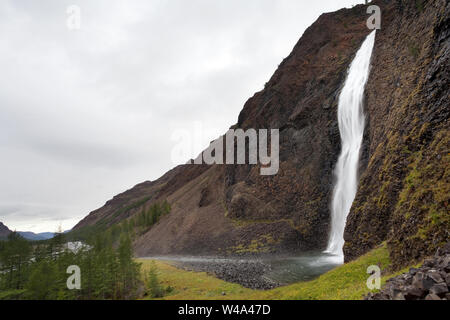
430,282
248,273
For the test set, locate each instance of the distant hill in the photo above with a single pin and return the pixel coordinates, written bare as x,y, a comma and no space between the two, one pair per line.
36,236
4,231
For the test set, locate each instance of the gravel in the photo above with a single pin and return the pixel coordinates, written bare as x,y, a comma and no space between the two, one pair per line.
248,273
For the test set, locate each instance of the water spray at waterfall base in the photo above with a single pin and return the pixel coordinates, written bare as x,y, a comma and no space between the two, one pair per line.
351,126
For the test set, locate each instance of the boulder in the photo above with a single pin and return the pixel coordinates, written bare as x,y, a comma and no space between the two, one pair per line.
428,263
434,274
413,293
439,289
413,271
432,296
398,295
422,281
445,264
429,282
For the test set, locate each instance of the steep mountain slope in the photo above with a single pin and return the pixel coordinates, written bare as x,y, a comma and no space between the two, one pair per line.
4,231
231,209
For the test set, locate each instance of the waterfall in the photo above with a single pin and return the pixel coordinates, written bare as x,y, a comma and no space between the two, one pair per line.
351,126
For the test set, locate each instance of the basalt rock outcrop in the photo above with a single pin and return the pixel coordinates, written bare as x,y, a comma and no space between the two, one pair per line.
404,189
429,282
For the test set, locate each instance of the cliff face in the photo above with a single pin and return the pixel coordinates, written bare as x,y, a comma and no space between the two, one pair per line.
234,210
4,231
231,209
404,187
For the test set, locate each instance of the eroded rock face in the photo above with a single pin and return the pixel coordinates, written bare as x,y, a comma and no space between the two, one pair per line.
404,188
429,282
403,194
301,100
233,209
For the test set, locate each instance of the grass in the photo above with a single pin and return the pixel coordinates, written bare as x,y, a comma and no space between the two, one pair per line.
12,294
189,285
347,282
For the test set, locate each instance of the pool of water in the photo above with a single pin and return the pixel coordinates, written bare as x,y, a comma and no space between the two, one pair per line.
282,270
302,268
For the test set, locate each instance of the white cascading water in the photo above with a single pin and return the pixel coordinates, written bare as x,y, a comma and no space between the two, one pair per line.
351,126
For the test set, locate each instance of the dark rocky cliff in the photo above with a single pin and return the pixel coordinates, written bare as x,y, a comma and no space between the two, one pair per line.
404,189
4,231
233,210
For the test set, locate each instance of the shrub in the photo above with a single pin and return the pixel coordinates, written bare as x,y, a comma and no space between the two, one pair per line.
153,285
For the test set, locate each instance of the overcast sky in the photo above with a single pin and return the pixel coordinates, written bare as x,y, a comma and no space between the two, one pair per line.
86,114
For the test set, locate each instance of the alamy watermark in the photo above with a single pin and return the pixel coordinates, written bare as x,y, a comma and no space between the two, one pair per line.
232,148
74,281
73,21
374,21
374,281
